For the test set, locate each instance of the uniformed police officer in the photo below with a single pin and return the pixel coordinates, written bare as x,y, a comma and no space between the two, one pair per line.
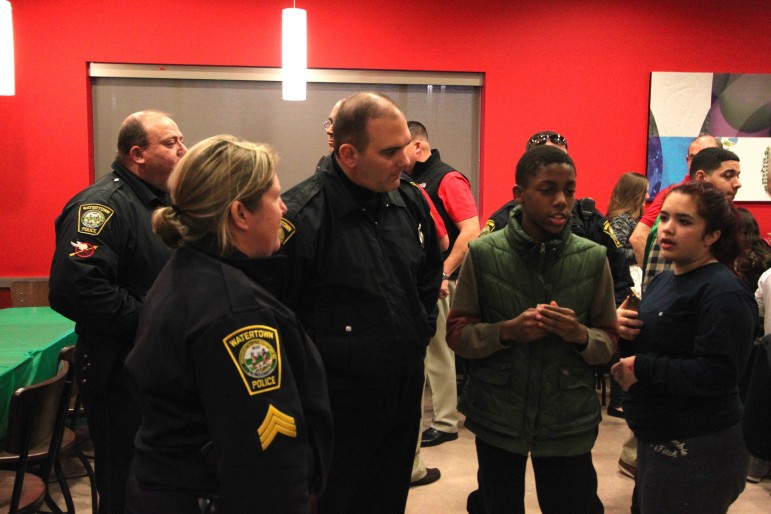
364,275
232,390
106,259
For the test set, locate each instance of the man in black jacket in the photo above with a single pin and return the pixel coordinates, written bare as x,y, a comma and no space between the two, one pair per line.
363,275
105,261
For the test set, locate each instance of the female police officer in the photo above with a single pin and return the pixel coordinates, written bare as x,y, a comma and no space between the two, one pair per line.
233,392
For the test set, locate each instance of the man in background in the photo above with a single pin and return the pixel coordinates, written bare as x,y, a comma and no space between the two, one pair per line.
640,234
450,192
329,130
106,259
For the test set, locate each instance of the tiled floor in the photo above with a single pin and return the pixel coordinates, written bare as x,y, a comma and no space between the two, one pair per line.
457,463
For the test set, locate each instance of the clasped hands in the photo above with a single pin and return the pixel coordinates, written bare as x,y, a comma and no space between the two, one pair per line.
536,322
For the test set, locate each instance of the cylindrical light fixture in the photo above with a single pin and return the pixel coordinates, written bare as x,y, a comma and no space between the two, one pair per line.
7,75
294,53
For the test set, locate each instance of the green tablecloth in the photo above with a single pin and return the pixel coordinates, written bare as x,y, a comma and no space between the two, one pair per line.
30,340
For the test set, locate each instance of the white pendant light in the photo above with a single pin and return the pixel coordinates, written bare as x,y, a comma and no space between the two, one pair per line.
294,53
7,76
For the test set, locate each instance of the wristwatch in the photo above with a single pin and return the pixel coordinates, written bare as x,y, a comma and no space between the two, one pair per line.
445,276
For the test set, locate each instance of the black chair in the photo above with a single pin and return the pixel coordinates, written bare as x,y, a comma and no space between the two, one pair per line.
75,435
33,416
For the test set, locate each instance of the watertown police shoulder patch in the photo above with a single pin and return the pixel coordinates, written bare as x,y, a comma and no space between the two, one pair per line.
488,228
256,352
609,230
93,217
287,231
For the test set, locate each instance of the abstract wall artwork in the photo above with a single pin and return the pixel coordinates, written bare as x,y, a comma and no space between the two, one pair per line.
734,107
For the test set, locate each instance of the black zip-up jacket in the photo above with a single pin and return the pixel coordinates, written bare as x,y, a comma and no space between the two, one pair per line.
363,272
105,261
232,390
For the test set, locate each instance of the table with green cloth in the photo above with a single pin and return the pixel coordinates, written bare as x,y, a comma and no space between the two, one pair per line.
30,340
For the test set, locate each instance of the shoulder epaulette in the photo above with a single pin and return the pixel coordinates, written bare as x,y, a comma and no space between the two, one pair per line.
297,197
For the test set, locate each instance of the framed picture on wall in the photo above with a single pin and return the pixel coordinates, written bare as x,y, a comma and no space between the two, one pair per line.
734,107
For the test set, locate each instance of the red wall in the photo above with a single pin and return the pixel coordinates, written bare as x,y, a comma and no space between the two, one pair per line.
582,68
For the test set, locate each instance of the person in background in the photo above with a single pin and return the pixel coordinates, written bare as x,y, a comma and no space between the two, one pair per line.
757,255
639,238
627,202
697,326
626,205
533,312
232,391
756,420
105,261
450,192
363,271
753,269
763,297
329,130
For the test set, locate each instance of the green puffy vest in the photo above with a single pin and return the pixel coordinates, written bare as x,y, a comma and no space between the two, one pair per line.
534,397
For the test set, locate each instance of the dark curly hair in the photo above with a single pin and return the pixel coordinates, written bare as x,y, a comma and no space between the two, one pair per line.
757,254
719,214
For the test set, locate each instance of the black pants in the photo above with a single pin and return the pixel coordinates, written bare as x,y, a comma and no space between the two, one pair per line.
565,485
756,424
113,421
376,426
703,474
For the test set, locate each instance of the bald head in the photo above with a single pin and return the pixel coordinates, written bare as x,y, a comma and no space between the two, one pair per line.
699,144
356,112
149,146
371,137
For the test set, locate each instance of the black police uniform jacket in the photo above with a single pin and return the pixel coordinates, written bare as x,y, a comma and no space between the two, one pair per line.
232,390
589,223
105,261
363,273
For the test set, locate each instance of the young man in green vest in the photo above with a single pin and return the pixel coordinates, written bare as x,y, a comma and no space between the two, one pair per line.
533,312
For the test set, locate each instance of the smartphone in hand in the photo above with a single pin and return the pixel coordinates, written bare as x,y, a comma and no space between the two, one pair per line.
633,301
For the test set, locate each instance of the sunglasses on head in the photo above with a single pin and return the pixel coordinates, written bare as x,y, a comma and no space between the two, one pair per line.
542,138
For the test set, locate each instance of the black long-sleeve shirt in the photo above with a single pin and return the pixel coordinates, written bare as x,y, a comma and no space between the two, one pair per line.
696,337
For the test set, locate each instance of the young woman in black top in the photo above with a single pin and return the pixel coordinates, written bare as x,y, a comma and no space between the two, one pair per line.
681,396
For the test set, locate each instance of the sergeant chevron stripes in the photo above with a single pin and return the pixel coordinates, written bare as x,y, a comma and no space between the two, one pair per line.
276,422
